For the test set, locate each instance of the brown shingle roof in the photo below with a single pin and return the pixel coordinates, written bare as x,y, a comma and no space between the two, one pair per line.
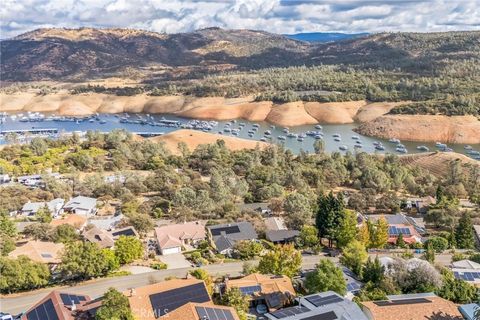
436,308
100,237
139,298
39,251
166,235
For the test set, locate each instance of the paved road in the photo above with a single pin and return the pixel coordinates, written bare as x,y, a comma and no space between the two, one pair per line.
20,303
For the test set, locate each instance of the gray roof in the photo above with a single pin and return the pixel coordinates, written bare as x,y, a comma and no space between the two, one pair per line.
344,309
81,202
233,232
281,235
106,223
53,206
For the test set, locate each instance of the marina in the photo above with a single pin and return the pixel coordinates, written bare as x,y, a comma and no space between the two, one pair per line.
337,137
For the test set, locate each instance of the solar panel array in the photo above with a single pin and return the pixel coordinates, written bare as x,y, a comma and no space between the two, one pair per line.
330,315
46,255
401,302
67,299
207,313
467,276
167,301
227,230
126,232
393,230
353,286
45,311
318,300
288,312
250,289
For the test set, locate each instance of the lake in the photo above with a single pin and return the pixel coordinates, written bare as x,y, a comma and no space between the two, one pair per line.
330,133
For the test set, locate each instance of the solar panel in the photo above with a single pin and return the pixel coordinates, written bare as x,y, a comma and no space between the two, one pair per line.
318,300
353,286
250,289
45,311
227,230
323,316
401,302
287,312
206,313
167,301
126,232
46,255
67,299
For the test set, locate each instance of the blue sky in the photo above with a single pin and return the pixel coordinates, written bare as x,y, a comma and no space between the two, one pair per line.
280,16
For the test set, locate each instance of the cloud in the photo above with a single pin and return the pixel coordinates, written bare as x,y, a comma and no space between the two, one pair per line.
279,16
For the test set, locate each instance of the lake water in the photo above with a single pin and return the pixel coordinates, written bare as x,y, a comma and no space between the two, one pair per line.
330,132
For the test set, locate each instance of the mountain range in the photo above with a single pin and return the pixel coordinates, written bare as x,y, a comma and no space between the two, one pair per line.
86,53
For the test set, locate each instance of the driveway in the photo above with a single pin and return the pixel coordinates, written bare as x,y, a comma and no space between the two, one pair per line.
175,261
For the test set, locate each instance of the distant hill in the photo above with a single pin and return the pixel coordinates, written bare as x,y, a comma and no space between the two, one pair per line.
324,36
86,53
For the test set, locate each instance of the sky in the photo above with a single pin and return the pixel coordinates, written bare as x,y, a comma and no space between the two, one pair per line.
278,16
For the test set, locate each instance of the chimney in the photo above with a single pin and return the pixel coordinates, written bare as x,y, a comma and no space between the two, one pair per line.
73,307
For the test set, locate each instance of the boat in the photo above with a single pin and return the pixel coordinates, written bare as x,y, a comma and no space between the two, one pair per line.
268,132
227,130
473,152
394,140
358,146
380,147
318,136
336,135
468,147
343,148
282,138
319,127
255,125
300,139
358,142
103,121
263,139
292,135
355,137
423,148
401,146
401,150
338,139
286,130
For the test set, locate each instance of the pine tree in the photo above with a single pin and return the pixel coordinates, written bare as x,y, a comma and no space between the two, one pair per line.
380,233
328,217
430,253
373,271
464,233
400,242
363,235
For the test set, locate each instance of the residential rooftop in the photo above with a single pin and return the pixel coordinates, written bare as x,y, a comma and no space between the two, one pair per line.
39,251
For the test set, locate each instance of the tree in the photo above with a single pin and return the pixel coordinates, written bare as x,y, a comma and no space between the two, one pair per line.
248,268
114,306
308,237
373,271
248,249
414,276
429,254
354,256
44,215
83,260
22,274
347,229
297,209
65,233
39,231
237,300
456,290
281,260
379,233
439,244
363,235
141,222
328,217
7,226
202,274
128,249
7,245
465,238
400,242
326,276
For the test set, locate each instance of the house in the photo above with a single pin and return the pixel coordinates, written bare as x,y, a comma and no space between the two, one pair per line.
55,207
39,251
275,224
353,284
401,218
282,236
471,275
156,300
75,220
322,306
35,180
261,207
5,178
421,205
101,237
173,237
106,223
468,311
466,264
224,236
57,306
411,306
81,205
127,231
410,235
272,291
203,311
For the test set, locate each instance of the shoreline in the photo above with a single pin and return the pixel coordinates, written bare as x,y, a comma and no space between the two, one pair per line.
373,118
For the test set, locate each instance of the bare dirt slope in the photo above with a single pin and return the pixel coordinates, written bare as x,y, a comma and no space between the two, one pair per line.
334,112
437,162
371,111
290,114
454,129
195,138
